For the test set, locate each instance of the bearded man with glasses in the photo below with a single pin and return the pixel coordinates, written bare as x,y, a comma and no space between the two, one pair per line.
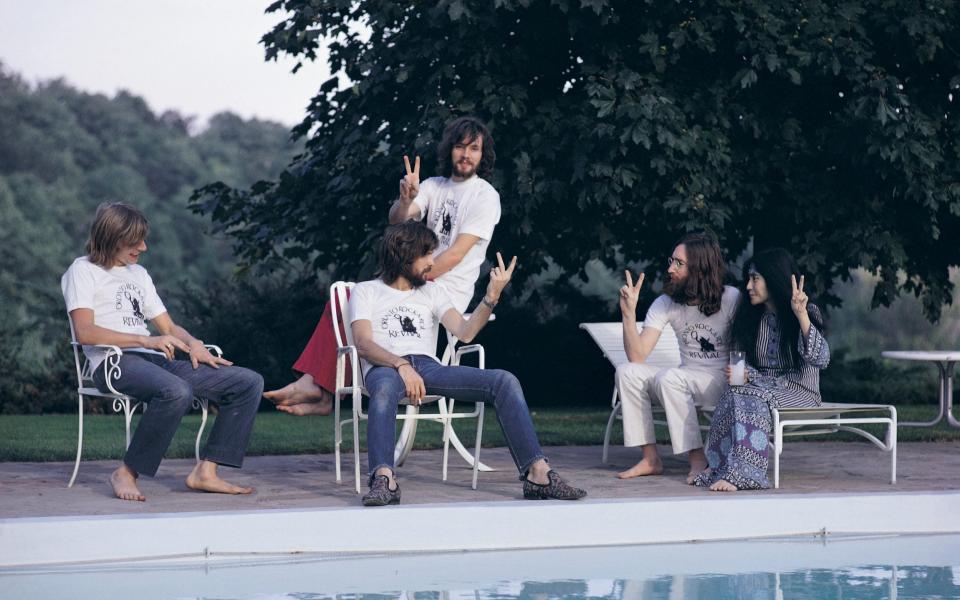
700,308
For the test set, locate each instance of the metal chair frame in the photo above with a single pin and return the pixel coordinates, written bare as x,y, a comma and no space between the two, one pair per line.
121,402
347,351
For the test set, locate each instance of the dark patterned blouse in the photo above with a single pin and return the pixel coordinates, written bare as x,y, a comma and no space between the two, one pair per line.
789,386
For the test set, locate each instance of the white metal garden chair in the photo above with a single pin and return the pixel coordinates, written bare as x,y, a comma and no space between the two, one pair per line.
121,402
347,354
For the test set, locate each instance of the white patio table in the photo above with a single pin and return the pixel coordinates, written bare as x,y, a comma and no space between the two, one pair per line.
945,361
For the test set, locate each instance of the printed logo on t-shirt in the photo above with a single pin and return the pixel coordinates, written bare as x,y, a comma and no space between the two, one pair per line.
402,321
447,224
702,336
446,214
130,297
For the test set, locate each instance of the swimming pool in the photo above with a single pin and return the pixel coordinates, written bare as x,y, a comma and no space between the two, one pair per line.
814,567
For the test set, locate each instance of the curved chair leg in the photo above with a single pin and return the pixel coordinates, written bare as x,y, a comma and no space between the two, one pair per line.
447,430
407,435
356,439
337,434
606,434
127,417
203,423
476,450
76,463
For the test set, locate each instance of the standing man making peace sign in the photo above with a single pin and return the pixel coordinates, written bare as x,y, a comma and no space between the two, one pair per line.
460,207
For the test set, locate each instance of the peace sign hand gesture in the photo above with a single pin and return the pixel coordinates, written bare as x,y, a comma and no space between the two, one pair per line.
410,184
798,301
629,294
499,278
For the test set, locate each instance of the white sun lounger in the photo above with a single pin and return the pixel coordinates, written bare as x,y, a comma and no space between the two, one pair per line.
829,417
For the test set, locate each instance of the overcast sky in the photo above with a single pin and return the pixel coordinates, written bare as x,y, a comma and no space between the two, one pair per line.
198,57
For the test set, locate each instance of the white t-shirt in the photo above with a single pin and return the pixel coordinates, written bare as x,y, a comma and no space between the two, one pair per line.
704,341
403,322
122,299
452,208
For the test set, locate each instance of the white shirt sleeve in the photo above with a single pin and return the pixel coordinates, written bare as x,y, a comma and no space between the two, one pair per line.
78,285
441,301
482,214
658,315
427,193
361,304
153,305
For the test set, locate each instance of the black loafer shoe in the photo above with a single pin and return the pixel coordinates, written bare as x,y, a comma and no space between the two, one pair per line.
556,489
380,493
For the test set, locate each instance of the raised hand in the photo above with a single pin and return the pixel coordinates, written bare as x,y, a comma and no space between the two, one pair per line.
499,278
798,301
410,184
629,294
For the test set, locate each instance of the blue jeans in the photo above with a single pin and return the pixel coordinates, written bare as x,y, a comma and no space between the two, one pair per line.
497,387
167,388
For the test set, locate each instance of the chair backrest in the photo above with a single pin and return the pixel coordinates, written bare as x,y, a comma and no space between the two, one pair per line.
609,337
339,308
80,362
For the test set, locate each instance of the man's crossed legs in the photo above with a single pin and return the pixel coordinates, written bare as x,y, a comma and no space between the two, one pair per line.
498,388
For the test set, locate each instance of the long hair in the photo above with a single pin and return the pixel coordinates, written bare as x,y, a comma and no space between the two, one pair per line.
402,244
468,128
776,265
705,273
115,225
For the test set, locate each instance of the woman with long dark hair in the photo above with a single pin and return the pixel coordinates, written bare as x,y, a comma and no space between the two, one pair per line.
782,336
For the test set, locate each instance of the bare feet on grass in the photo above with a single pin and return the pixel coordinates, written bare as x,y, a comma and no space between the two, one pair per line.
124,482
722,485
698,464
204,478
647,466
302,391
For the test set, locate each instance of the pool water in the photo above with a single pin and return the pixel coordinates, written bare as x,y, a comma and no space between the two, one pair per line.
895,567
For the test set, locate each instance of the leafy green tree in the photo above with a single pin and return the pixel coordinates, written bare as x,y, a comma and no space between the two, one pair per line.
62,152
828,128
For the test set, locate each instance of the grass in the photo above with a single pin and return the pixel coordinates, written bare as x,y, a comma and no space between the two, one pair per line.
37,438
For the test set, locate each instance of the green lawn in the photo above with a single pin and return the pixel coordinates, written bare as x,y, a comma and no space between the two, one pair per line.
54,437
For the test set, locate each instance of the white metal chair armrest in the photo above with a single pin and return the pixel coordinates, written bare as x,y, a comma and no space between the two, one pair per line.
471,349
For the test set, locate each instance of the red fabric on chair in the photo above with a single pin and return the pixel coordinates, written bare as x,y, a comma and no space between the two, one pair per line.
319,357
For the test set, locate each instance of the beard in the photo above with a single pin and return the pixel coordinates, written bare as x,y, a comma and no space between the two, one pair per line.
677,289
416,279
464,170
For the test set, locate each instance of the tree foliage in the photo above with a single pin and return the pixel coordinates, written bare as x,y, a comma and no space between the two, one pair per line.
829,128
62,152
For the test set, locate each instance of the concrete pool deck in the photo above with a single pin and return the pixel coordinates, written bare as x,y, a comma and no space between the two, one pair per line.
826,487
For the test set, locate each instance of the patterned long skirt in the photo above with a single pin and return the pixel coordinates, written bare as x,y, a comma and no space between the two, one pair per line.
738,448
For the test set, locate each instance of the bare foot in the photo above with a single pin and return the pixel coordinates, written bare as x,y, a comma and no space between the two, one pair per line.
124,482
322,407
722,485
303,390
642,468
203,478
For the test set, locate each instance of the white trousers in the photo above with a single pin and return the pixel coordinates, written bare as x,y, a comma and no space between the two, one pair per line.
680,390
